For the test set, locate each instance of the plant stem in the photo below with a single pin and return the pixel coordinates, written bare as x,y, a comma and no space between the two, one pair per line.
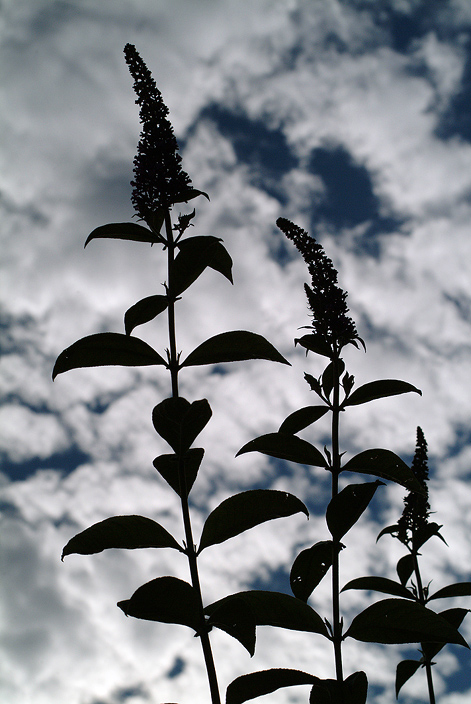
423,601
337,624
173,357
190,546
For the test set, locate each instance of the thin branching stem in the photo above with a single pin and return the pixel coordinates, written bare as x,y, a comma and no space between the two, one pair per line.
337,624
190,546
423,601
173,357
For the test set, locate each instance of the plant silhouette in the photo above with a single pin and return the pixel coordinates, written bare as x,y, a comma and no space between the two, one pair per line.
159,184
397,620
414,530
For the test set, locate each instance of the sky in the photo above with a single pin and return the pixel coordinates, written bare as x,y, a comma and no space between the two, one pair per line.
351,118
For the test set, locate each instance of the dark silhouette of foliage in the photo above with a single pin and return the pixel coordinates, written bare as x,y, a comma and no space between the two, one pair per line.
397,620
159,184
413,530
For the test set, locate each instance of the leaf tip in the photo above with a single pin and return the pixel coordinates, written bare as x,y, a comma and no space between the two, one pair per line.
123,606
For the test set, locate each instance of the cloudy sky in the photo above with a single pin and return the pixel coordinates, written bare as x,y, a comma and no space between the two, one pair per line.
351,118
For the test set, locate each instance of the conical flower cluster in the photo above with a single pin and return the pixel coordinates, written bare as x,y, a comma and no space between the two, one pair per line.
327,301
416,506
159,178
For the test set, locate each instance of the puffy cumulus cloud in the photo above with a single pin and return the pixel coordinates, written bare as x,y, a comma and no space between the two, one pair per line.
30,434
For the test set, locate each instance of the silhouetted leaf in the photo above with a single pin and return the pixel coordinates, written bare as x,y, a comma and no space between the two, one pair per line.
168,467
143,311
189,194
106,349
197,253
256,684
165,599
345,509
389,530
328,377
379,389
427,531
235,617
245,510
452,590
314,343
379,584
234,346
405,568
179,422
455,618
309,568
353,690
285,447
404,672
402,621
126,231
120,532
384,464
277,609
301,418
356,684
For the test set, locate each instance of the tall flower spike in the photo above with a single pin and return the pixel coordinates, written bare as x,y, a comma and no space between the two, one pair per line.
416,506
159,178
327,301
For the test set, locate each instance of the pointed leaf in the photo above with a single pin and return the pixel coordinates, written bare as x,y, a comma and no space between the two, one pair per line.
384,464
404,672
120,532
345,509
197,253
402,621
452,590
315,343
165,599
277,609
285,447
256,684
389,530
314,384
170,467
234,346
379,584
179,422
145,310
235,617
310,566
379,389
106,348
328,377
405,568
221,261
189,194
455,618
245,510
425,533
125,231
301,418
